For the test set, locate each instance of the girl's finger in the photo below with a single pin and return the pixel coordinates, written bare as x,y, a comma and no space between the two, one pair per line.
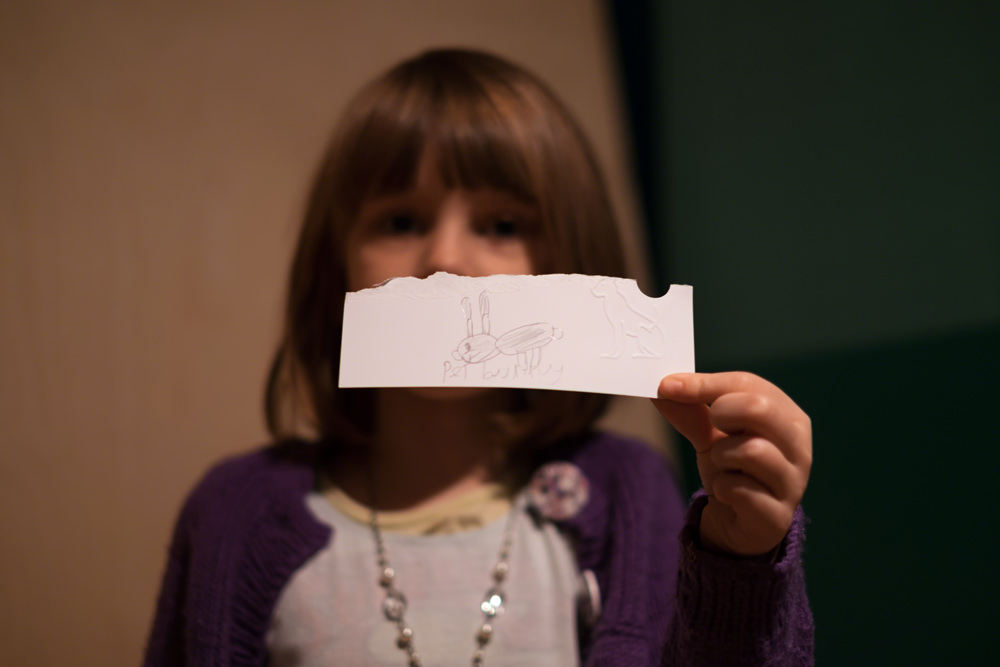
780,421
691,420
761,460
707,387
745,402
743,517
684,399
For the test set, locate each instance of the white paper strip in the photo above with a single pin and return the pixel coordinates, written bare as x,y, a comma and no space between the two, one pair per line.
570,332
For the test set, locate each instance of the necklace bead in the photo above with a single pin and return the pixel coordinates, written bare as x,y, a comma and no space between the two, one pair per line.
394,605
493,604
405,639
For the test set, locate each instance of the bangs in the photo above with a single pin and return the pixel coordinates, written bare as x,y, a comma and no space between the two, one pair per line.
458,120
490,158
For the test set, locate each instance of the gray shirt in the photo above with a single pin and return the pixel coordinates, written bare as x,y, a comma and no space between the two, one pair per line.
330,613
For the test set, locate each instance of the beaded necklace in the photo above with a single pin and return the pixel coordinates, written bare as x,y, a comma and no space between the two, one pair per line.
394,603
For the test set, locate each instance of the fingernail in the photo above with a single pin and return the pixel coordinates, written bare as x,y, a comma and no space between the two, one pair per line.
671,386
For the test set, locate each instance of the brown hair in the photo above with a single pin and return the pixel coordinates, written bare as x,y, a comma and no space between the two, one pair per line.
491,124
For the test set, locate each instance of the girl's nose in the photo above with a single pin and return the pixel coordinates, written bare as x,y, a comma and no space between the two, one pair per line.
445,252
448,241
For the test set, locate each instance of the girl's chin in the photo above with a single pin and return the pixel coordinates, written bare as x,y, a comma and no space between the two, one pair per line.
449,393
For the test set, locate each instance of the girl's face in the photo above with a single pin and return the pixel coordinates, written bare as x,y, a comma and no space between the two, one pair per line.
433,228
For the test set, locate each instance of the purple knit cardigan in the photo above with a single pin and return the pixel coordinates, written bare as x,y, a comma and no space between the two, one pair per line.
245,530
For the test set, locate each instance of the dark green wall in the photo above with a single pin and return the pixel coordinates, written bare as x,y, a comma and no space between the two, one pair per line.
826,175
830,170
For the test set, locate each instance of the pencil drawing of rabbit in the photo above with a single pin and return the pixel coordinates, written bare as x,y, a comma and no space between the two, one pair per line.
525,342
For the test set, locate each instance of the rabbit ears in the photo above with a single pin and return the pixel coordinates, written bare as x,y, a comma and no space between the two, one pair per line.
484,313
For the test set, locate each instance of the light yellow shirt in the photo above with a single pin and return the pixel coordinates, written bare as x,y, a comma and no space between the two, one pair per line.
471,510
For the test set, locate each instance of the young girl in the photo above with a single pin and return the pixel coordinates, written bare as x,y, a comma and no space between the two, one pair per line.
455,525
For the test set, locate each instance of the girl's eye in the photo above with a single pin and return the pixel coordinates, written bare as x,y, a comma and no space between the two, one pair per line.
506,228
399,224
502,228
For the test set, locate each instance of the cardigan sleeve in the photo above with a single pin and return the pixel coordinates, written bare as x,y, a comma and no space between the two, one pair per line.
665,600
197,576
166,639
732,611
241,534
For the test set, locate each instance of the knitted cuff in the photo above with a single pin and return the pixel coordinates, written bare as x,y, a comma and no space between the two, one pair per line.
736,611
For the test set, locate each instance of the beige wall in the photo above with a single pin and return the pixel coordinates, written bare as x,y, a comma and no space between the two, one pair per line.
153,157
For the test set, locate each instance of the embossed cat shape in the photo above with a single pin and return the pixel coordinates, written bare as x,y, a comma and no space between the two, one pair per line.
525,342
631,328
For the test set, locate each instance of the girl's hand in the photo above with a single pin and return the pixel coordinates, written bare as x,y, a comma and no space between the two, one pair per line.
754,450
